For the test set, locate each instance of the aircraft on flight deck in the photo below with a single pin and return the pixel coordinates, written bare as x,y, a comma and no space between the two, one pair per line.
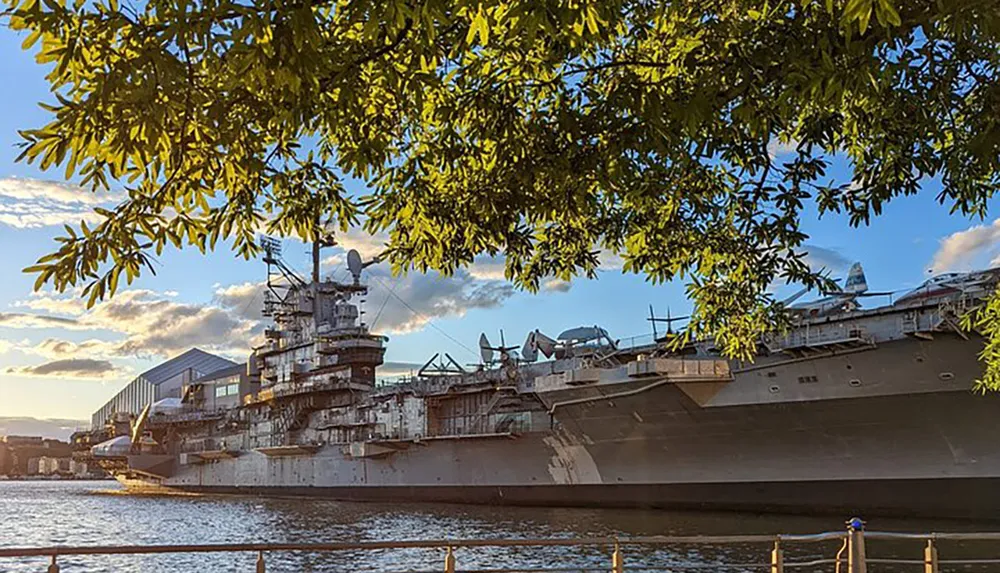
948,283
840,300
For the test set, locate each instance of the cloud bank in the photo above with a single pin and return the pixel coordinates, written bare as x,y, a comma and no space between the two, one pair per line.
961,250
31,203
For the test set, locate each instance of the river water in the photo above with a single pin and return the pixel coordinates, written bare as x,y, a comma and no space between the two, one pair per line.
98,513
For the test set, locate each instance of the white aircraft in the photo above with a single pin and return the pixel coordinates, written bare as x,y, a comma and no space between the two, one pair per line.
948,283
840,300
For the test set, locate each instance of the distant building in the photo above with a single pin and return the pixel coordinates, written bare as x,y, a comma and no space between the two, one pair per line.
83,469
24,441
20,455
49,466
162,381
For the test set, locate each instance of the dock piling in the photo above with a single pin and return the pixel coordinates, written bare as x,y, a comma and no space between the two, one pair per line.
53,566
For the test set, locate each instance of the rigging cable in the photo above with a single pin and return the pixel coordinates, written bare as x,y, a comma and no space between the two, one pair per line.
429,321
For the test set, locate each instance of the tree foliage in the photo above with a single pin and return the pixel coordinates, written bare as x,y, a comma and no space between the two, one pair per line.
548,130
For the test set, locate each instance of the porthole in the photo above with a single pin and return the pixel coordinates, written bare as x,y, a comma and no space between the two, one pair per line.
946,376
774,389
855,382
849,367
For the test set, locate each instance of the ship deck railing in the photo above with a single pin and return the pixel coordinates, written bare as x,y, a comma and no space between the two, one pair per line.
851,557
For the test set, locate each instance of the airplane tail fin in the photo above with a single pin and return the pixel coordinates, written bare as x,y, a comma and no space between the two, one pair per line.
856,281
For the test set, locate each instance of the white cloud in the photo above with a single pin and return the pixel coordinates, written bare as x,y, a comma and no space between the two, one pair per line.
394,369
54,348
55,191
157,326
417,299
368,246
609,261
68,303
149,324
556,285
30,221
487,268
245,299
32,203
334,260
960,250
776,148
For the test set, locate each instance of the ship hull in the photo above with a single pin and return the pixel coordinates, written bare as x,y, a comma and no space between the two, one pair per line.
973,498
887,431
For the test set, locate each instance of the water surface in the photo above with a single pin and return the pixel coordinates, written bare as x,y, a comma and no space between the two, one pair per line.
45,513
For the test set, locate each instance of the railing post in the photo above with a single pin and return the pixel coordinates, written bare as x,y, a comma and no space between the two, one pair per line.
930,557
617,565
856,546
261,568
777,558
449,561
53,566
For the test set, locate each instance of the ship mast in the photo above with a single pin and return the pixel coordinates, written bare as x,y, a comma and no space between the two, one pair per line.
316,246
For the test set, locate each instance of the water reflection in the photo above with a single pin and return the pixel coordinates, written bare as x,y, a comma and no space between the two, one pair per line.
79,513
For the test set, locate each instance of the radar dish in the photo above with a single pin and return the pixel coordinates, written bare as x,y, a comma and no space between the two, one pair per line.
354,263
485,350
545,344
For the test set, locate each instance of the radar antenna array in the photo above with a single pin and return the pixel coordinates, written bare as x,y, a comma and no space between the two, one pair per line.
486,350
277,293
441,366
536,342
272,249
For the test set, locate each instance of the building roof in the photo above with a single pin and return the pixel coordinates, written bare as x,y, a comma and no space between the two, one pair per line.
199,361
223,373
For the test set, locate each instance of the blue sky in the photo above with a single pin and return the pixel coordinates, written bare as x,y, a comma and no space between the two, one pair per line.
65,369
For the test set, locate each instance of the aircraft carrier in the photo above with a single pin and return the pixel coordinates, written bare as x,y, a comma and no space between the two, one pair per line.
851,411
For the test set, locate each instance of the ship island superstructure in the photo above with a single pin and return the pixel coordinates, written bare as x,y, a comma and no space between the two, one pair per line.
851,409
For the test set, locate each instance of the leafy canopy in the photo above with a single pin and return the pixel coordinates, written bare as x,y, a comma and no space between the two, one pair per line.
547,130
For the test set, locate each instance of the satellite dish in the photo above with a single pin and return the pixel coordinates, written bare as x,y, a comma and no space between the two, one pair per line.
354,263
530,349
485,350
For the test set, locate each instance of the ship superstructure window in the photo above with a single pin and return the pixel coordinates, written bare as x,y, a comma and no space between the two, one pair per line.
223,390
808,379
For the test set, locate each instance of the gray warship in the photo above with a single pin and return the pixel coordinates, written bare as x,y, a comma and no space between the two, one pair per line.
849,411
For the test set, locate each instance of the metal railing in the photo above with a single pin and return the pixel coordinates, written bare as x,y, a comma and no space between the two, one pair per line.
851,557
